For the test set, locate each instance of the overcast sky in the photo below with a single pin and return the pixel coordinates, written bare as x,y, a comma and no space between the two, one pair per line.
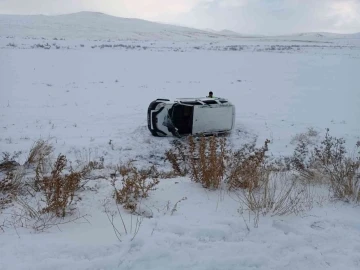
244,16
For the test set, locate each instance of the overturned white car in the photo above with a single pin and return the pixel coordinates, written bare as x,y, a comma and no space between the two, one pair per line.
190,116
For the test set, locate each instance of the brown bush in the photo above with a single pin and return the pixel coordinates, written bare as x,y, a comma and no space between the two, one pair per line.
58,188
207,159
211,162
202,159
135,185
247,167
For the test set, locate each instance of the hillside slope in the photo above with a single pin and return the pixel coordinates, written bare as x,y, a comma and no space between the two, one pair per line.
95,26
92,25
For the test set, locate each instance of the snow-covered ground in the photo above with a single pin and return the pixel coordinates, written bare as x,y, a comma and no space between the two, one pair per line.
89,96
204,233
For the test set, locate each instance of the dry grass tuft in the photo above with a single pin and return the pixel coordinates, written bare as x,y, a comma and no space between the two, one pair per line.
277,195
133,229
30,217
40,151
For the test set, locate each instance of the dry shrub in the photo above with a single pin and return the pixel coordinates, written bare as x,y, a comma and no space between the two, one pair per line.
165,175
154,173
8,161
277,195
7,190
278,163
58,188
96,165
135,185
178,158
10,186
308,137
8,166
39,153
342,170
302,161
208,158
331,163
211,162
248,167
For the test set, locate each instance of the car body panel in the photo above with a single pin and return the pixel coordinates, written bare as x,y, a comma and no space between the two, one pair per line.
213,118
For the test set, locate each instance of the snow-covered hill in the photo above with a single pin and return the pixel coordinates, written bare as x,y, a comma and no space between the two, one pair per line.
230,33
93,25
322,35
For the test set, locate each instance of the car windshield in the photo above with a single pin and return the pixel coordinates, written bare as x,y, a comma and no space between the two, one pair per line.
168,120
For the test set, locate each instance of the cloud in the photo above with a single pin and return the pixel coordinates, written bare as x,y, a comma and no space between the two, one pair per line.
155,8
233,3
345,13
41,6
140,8
277,16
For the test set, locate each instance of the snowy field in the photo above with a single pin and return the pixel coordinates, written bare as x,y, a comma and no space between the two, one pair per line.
89,97
83,97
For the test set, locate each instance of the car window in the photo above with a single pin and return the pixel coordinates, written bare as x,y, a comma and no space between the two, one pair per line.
190,102
210,102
